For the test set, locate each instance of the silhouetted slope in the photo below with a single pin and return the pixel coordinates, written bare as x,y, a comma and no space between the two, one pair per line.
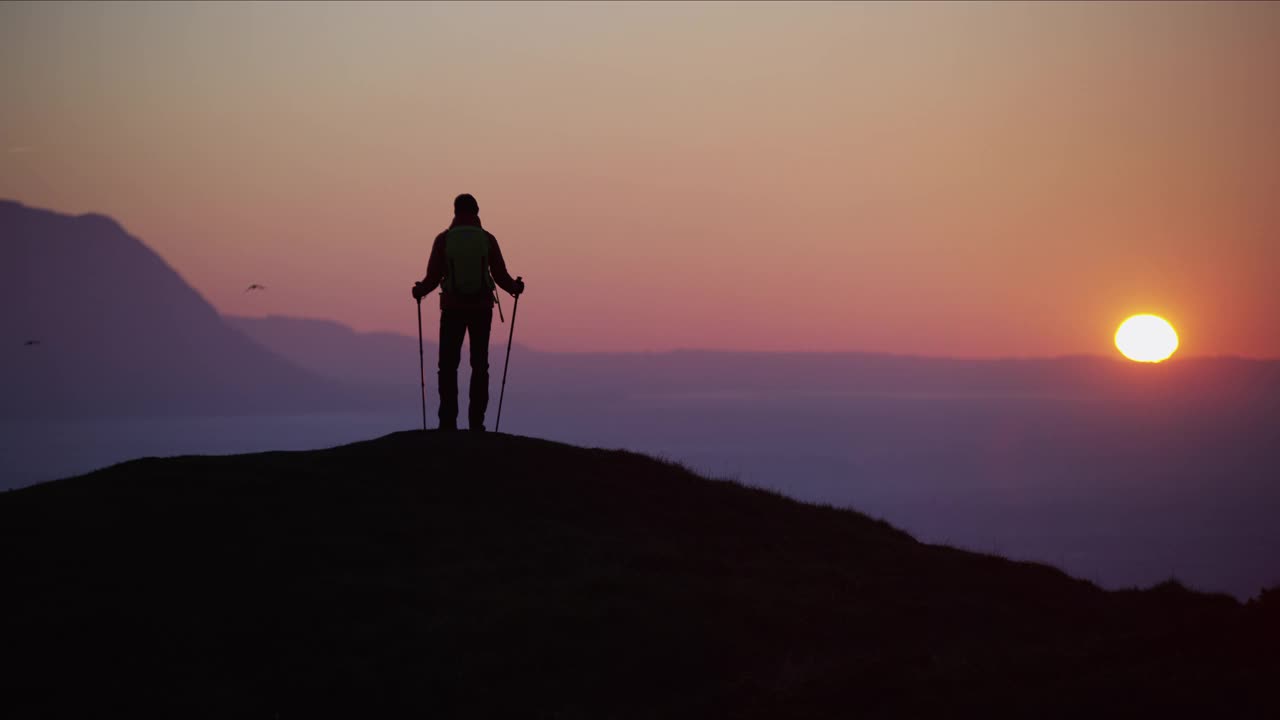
121,332
480,576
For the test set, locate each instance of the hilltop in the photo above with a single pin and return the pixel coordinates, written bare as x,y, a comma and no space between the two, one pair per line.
464,575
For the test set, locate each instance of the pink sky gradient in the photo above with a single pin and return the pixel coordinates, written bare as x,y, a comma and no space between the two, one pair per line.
966,180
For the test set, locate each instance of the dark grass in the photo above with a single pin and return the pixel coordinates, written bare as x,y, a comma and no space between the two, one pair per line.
456,575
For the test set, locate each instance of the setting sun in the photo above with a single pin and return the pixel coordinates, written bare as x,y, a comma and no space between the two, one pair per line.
1146,338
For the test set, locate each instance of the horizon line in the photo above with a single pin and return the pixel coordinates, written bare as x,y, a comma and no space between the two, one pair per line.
723,351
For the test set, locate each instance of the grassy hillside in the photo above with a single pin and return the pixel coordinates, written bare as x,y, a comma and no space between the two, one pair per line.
467,576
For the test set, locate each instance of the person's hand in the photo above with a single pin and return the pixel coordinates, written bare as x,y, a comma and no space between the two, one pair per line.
519,287
419,291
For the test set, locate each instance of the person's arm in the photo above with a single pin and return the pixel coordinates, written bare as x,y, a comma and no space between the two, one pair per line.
498,268
435,270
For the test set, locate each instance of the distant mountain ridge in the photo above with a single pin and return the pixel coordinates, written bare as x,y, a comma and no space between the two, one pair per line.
114,330
334,350
117,331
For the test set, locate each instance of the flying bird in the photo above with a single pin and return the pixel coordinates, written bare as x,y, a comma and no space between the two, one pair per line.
31,343
255,286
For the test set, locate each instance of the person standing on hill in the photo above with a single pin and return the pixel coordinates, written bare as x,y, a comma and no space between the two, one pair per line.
465,263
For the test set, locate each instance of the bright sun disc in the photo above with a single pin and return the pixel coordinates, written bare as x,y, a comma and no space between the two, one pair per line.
1146,338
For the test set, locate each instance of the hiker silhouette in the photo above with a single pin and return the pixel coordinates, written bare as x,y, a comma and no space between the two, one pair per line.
465,263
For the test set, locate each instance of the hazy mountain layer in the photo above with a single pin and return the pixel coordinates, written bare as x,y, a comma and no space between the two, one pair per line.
94,323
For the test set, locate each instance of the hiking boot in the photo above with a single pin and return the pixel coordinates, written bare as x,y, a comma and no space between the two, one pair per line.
447,427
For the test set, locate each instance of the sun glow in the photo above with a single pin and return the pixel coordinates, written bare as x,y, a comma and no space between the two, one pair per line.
1146,338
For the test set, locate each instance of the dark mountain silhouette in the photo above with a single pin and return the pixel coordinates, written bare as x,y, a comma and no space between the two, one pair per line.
121,333
499,576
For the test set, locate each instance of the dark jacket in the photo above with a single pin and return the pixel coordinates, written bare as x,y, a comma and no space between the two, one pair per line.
437,264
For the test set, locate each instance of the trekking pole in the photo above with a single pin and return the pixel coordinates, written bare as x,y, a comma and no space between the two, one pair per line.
514,307
422,367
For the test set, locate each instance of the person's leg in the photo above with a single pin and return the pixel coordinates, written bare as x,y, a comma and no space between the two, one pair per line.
479,323
453,325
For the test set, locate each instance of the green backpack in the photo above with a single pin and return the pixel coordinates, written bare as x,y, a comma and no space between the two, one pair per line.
466,248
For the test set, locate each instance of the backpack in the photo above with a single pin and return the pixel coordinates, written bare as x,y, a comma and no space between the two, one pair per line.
466,250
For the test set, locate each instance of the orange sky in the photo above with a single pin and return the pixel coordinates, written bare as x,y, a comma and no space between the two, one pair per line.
976,180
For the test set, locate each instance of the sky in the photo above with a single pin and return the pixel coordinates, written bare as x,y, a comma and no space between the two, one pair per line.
957,180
